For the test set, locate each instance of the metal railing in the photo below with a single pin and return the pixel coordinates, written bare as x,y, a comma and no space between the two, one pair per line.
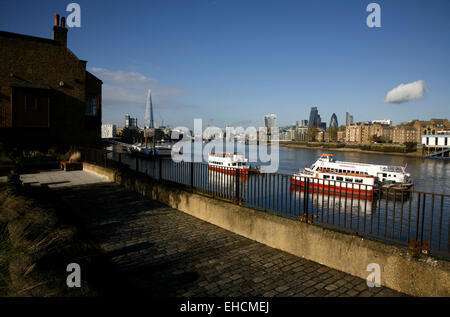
415,219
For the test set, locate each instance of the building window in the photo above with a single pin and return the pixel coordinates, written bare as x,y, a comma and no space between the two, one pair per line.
91,105
31,103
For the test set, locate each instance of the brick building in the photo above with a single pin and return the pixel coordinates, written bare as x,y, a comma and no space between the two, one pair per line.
404,134
47,98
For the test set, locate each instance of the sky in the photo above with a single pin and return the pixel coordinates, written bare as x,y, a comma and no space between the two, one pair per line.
232,62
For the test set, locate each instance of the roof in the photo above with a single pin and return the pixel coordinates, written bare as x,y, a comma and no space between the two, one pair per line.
37,39
27,37
30,85
94,77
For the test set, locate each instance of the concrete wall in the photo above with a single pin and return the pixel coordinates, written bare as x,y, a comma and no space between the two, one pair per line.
400,269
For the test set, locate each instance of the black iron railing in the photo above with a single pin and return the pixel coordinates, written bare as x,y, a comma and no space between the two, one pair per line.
416,219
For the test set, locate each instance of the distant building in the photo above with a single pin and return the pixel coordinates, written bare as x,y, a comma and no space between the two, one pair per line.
334,121
357,133
382,121
47,97
341,136
304,123
270,122
320,136
313,117
133,123
442,141
301,134
130,122
108,131
348,119
404,134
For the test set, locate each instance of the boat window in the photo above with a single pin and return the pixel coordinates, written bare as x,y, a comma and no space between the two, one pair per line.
339,178
358,180
348,179
326,176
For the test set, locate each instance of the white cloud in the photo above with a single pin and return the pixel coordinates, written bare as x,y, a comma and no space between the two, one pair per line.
130,89
406,92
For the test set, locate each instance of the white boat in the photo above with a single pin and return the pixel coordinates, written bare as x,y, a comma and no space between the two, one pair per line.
228,163
161,150
383,173
349,177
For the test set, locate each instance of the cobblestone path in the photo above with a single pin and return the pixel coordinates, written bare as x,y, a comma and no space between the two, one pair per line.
161,251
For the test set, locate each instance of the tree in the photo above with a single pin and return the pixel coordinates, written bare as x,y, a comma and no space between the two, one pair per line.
377,139
332,133
311,134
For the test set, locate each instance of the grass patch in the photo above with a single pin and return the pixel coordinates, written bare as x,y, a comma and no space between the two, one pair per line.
37,242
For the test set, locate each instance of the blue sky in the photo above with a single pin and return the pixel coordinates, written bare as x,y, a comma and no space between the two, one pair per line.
232,62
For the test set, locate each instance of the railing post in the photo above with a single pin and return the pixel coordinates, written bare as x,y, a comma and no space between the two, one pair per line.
120,157
236,195
305,200
160,169
191,167
137,164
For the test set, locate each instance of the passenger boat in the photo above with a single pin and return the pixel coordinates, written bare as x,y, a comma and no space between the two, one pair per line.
349,177
161,150
228,163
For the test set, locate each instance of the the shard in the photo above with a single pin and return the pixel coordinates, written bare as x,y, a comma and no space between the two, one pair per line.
149,112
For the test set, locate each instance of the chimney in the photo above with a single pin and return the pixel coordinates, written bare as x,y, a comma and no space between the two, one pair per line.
60,31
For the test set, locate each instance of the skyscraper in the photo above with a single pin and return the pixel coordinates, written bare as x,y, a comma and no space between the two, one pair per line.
149,112
270,122
348,119
334,121
314,117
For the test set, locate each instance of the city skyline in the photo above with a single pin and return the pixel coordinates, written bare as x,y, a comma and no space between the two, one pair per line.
319,54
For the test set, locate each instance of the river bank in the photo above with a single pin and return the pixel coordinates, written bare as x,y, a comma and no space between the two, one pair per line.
346,149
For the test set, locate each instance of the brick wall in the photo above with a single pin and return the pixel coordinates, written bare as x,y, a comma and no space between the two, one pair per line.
33,61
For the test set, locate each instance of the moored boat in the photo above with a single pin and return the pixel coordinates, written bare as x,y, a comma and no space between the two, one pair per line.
350,177
228,163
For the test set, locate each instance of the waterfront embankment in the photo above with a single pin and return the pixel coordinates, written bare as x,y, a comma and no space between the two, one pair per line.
401,268
383,150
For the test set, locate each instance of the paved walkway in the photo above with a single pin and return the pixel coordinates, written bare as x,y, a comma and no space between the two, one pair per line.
164,252
60,178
